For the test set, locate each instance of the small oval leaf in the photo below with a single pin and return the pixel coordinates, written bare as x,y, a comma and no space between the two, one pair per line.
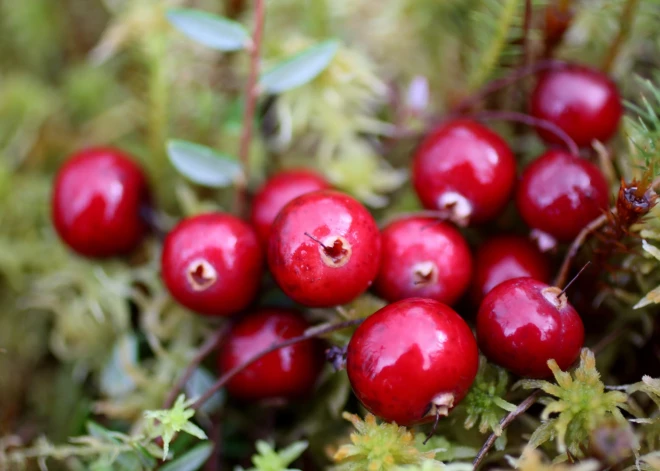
210,30
115,380
192,460
203,165
299,69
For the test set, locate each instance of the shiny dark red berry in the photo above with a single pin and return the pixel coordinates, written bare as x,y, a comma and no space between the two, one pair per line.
522,323
502,258
287,373
212,264
98,202
559,194
412,360
277,192
583,102
423,257
465,170
324,249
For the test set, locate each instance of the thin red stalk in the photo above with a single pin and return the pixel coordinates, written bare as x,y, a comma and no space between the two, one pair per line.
513,77
251,93
531,121
310,334
206,348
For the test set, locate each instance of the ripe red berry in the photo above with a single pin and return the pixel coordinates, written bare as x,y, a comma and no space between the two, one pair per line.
503,258
277,192
583,102
212,264
559,194
289,372
412,360
324,249
423,257
97,202
466,170
522,323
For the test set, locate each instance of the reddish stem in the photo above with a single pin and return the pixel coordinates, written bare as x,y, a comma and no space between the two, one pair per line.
513,77
206,348
310,334
531,121
251,93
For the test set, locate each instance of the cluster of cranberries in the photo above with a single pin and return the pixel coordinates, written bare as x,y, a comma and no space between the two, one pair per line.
416,358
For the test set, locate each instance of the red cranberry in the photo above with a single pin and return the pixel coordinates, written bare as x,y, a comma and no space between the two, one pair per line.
560,194
277,192
466,170
503,258
522,323
289,372
412,360
212,264
97,201
583,102
423,257
324,249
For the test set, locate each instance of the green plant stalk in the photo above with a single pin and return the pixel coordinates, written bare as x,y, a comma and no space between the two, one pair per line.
158,91
625,26
317,18
488,60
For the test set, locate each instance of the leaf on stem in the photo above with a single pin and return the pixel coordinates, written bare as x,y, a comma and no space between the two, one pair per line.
203,165
213,31
299,69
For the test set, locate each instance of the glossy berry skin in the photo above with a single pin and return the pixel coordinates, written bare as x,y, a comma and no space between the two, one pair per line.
412,359
559,194
583,102
97,202
277,192
324,249
466,170
502,258
212,264
423,257
287,373
522,323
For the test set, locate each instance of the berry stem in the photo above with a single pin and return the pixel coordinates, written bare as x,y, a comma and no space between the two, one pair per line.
325,247
207,347
310,334
573,279
251,93
531,121
514,76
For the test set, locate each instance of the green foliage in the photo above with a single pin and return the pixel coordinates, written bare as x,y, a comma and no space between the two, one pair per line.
485,404
580,402
268,459
378,447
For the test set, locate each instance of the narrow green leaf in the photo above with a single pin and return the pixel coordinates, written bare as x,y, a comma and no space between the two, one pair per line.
192,460
210,30
299,69
203,165
115,380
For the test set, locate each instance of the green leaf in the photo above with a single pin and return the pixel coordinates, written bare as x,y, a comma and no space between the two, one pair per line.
203,165
192,460
115,381
200,382
210,30
299,69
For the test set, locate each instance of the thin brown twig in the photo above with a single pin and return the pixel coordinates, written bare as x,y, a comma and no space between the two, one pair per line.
513,77
625,25
206,348
251,93
310,334
531,399
531,121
